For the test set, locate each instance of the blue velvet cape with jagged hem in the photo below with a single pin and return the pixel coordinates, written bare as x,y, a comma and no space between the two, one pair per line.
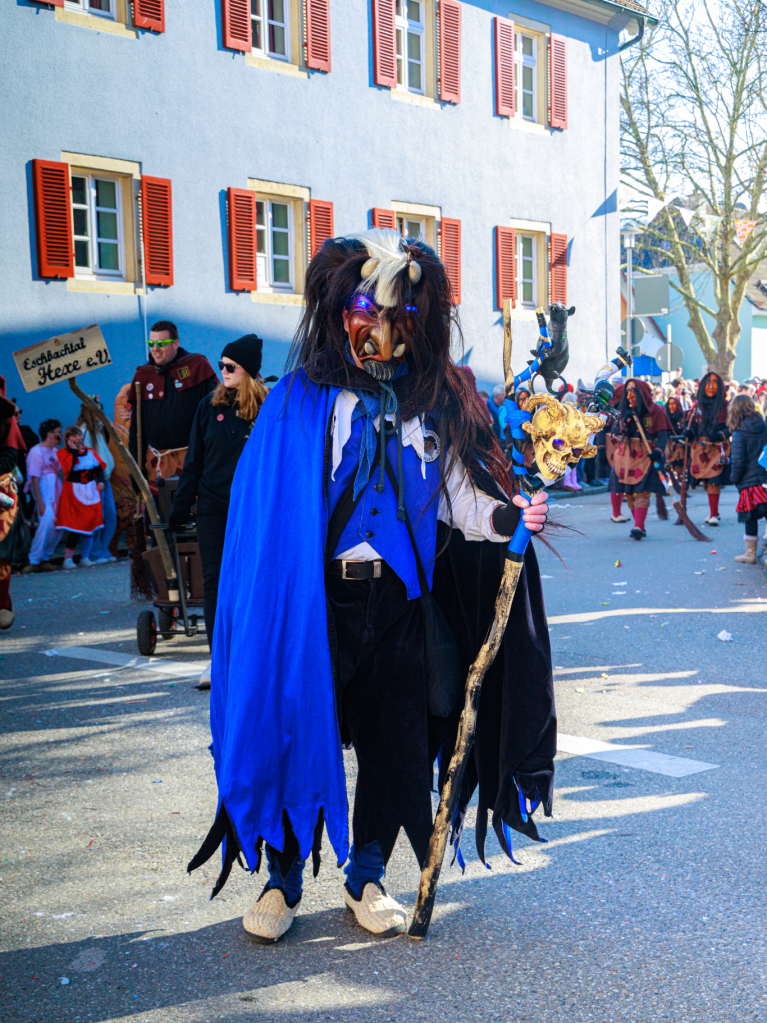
276,744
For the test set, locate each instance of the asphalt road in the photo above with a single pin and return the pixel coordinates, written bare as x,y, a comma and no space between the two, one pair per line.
647,903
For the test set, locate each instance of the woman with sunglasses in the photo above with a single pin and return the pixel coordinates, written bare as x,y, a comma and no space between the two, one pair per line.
221,426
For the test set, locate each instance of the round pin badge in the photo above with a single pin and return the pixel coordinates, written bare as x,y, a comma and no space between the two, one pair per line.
220,417
430,446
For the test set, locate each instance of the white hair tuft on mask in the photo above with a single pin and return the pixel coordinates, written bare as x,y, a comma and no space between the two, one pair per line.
388,258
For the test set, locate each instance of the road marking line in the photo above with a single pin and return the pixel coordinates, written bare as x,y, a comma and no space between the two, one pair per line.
84,653
628,756
584,617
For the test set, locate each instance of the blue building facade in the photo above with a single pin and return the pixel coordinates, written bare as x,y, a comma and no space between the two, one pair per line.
312,127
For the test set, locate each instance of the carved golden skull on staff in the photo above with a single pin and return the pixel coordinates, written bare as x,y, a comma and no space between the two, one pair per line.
560,434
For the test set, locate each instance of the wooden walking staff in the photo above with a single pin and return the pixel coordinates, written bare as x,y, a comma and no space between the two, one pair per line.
140,481
427,889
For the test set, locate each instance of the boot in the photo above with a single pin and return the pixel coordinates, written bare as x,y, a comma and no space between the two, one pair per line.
749,558
376,911
570,480
270,917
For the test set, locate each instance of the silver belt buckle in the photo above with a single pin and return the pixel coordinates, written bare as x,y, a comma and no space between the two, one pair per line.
376,569
343,569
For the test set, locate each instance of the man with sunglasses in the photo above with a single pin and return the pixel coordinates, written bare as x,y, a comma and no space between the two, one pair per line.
171,384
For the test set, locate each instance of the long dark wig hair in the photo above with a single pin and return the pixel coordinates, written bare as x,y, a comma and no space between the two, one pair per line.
712,410
433,385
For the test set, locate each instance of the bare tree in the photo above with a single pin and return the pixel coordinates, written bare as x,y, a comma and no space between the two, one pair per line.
694,125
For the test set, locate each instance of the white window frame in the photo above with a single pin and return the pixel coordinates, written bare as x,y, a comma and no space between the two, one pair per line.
406,218
93,272
521,61
403,28
264,260
263,17
531,303
83,7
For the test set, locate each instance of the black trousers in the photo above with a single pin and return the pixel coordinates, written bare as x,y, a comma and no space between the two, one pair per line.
377,645
211,530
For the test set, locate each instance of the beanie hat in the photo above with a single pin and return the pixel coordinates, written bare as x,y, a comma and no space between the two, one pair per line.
246,352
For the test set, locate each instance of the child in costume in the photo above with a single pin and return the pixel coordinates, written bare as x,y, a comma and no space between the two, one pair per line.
371,478
80,505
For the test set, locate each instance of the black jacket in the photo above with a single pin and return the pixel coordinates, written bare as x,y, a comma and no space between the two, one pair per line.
747,445
215,445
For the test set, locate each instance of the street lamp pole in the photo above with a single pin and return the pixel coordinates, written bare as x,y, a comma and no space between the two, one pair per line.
628,242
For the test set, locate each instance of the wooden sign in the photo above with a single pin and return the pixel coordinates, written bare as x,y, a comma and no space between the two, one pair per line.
59,358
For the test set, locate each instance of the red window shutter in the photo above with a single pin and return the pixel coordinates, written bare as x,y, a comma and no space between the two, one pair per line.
235,19
505,266
149,14
451,255
558,268
320,223
53,219
242,239
384,44
51,3
557,82
450,51
504,67
318,34
383,218
157,227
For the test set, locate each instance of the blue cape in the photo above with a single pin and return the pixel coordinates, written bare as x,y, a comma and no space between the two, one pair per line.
276,743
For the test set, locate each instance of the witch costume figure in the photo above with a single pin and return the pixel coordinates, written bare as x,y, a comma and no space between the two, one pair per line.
710,445
639,439
371,499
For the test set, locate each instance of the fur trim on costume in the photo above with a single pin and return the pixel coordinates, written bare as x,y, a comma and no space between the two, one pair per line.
389,256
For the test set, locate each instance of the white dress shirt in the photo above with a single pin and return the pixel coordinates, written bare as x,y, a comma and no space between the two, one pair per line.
471,508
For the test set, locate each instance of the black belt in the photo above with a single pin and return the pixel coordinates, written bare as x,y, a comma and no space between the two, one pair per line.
360,569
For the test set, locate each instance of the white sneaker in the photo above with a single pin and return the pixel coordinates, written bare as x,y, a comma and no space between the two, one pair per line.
270,917
102,561
619,518
204,682
376,911
86,563
69,564
712,520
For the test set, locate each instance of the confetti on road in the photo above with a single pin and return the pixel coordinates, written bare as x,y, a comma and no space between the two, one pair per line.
725,636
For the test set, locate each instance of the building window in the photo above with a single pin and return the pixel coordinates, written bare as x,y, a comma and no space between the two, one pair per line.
271,28
409,26
97,224
274,248
527,277
411,227
102,8
525,76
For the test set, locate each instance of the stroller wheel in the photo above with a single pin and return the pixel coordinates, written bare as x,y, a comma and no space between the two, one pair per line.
146,633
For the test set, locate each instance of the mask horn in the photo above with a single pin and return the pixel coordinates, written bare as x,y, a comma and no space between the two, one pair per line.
414,272
368,268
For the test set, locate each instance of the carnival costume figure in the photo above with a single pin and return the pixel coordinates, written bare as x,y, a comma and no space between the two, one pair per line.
370,478
675,447
709,442
638,441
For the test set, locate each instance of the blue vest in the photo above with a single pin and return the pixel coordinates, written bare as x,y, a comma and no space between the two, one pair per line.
375,521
